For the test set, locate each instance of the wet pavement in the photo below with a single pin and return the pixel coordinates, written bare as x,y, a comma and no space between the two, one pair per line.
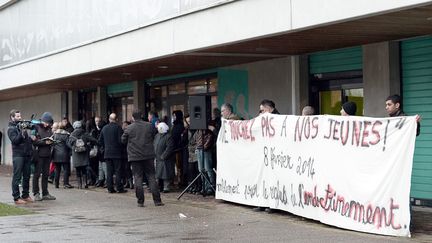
93,215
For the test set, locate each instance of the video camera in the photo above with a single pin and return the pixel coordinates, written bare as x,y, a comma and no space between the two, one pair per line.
28,124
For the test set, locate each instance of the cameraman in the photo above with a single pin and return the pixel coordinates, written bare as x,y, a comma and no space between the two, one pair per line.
42,143
21,157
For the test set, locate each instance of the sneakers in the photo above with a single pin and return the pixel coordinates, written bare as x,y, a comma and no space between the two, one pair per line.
68,186
258,209
49,197
269,210
28,199
140,205
157,204
20,201
37,197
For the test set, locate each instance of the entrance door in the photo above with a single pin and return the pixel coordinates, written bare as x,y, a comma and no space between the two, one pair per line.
177,102
122,107
330,91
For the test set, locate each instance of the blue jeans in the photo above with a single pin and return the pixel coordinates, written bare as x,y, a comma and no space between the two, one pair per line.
205,165
102,171
21,169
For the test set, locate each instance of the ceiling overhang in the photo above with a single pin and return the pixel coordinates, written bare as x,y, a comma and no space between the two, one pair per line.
372,29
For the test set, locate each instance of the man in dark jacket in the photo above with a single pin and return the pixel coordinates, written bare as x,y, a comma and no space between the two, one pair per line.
42,144
139,139
21,157
67,126
394,108
110,140
176,132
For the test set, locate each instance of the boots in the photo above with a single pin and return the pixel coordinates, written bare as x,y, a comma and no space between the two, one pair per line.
79,182
131,185
85,181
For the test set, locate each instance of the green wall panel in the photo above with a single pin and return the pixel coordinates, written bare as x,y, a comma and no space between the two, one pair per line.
339,60
120,88
416,59
233,89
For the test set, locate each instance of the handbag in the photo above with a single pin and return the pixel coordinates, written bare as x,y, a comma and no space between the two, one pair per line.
93,151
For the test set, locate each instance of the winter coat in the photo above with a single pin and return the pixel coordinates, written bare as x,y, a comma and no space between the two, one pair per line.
204,139
42,149
401,113
21,141
165,157
177,129
139,138
192,147
81,158
110,140
61,151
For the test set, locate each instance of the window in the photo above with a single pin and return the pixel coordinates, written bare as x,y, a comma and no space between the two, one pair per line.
197,87
175,89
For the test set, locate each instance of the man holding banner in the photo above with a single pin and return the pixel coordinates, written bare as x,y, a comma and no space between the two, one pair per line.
348,171
394,108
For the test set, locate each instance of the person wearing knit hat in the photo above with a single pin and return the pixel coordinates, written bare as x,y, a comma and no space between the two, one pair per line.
41,140
348,109
47,118
164,147
77,124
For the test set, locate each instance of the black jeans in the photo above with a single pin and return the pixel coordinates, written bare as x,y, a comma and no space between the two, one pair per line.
41,166
21,169
66,172
114,166
139,168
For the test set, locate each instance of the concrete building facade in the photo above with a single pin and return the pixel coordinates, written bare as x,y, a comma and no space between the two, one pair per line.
85,58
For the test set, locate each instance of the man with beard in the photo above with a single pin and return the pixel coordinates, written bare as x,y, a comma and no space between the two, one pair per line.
21,157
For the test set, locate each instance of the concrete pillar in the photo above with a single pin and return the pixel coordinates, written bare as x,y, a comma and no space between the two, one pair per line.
139,95
101,100
64,104
300,83
72,106
381,76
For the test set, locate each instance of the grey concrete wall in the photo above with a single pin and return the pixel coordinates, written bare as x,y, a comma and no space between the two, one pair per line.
102,99
28,106
300,84
269,79
381,76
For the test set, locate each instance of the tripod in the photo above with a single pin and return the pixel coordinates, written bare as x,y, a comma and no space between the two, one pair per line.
202,175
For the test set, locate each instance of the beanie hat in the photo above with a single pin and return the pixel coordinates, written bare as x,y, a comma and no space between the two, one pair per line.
47,117
77,124
162,127
350,108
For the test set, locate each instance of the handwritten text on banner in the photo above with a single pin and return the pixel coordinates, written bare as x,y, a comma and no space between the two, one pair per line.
350,172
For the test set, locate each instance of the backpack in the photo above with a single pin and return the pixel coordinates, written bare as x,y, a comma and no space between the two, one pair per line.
80,146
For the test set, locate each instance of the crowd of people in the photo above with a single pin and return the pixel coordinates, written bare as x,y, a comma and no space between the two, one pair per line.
142,152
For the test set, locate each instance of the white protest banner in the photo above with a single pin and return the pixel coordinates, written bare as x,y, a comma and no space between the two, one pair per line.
350,172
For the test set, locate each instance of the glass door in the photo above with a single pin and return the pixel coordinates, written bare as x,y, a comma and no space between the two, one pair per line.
330,90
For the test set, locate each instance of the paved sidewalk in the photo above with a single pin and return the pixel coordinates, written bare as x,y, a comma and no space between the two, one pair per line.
96,216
